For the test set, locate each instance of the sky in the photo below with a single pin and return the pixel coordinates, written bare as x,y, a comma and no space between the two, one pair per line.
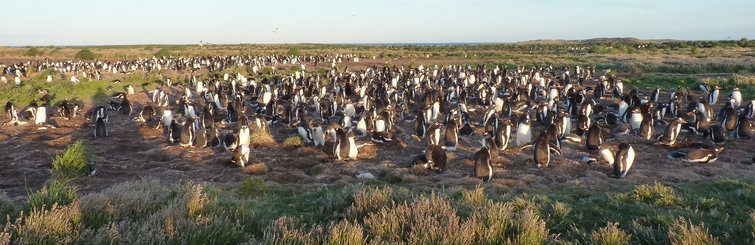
79,22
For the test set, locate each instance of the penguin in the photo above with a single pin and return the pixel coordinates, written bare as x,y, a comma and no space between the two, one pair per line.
451,137
244,135
523,131
646,128
611,119
543,147
420,126
713,95
353,150
146,114
342,146
503,135
318,135
433,134
671,134
174,132
634,118
229,142
736,96
381,137
200,140
743,128
40,115
729,119
213,140
583,124
623,160
125,106
699,155
716,134
10,113
100,129
129,89
241,155
187,133
483,167
594,137
655,94
436,158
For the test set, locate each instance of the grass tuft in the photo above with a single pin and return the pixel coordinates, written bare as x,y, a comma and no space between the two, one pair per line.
610,235
55,192
73,162
686,233
293,142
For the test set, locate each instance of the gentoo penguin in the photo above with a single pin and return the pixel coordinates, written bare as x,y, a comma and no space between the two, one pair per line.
634,118
433,134
213,139
713,95
483,167
167,117
623,160
729,119
318,135
146,114
503,135
452,136
100,129
543,148
736,95
341,145
200,140
353,150
646,128
187,133
245,135
671,134
744,128
523,131
174,132
10,113
420,126
654,96
699,155
229,142
241,155
40,115
436,158
129,89
594,137
716,134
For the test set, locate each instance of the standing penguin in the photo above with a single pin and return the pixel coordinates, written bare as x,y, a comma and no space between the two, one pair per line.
341,147
452,136
523,131
543,148
736,96
634,118
671,134
200,140
174,132
213,139
623,160
241,155
318,135
744,128
503,135
483,167
594,137
100,129
10,113
646,128
716,134
436,158
433,135
187,133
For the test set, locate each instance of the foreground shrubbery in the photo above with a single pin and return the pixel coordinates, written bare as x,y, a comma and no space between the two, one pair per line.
150,212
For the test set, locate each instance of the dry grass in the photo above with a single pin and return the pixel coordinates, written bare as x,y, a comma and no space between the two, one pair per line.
261,138
256,169
293,142
683,232
610,235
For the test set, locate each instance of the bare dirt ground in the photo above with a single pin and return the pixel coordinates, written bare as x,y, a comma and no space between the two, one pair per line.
134,151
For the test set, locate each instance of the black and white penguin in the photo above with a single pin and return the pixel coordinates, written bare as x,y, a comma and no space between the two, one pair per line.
671,134
583,125
436,158
646,128
11,114
503,135
623,160
200,139
744,128
100,128
654,96
146,114
699,155
523,131
433,134
241,155
634,118
729,119
713,95
543,148
716,134
213,139
341,144
229,142
736,96
304,132
318,135
452,136
483,166
174,132
187,133
594,137
420,126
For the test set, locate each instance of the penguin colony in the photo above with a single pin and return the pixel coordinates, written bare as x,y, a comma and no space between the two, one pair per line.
446,107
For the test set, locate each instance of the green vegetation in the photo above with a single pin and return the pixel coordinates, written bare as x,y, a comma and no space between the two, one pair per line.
147,211
33,52
85,54
293,142
294,51
73,162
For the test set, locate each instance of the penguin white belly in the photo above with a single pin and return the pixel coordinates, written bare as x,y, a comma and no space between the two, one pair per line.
379,126
353,151
630,161
635,121
40,116
244,137
318,137
607,156
523,135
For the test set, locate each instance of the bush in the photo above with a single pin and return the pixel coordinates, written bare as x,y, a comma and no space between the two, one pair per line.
686,233
59,225
73,162
610,235
294,51
55,192
85,54
163,53
293,142
33,52
252,187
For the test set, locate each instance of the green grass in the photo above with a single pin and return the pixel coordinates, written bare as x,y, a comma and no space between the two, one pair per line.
147,211
73,162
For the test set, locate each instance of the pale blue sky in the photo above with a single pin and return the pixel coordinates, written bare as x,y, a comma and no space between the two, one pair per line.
77,22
